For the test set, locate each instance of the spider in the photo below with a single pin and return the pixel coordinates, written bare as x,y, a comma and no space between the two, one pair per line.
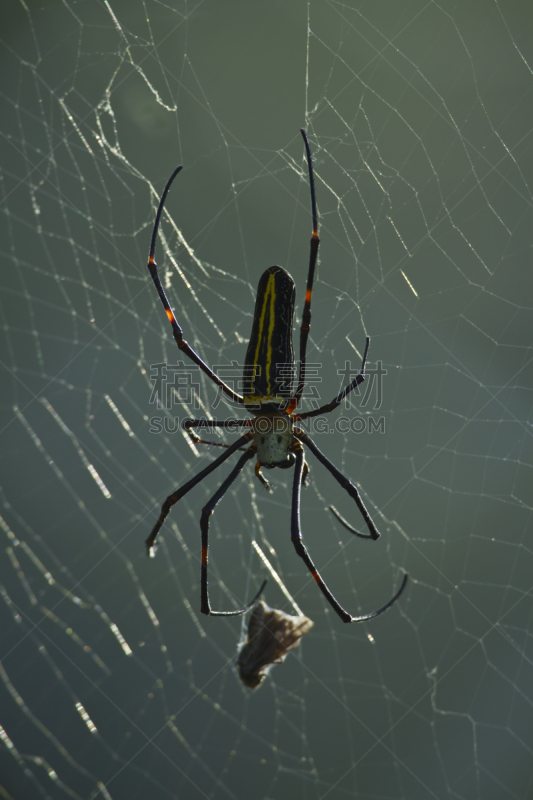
272,436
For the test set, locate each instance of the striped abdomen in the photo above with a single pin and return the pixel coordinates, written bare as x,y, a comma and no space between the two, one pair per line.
269,364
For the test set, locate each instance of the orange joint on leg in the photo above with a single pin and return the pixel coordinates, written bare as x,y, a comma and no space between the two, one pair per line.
308,294
204,555
170,315
314,573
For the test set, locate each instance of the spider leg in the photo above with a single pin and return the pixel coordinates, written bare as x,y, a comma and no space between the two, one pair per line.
207,510
296,538
176,329
196,439
189,424
173,498
216,423
347,524
340,397
260,477
344,482
306,316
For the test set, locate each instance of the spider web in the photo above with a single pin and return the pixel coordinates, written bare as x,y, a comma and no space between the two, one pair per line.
418,113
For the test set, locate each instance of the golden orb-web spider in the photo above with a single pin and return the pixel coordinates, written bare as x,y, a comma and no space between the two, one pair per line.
268,383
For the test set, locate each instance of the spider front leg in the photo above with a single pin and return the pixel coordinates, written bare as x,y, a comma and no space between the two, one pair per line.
347,524
205,606
173,498
296,538
344,482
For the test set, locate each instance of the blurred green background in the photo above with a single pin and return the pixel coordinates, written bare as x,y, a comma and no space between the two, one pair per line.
419,117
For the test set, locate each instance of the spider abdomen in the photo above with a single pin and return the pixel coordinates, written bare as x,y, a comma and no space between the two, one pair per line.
269,364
